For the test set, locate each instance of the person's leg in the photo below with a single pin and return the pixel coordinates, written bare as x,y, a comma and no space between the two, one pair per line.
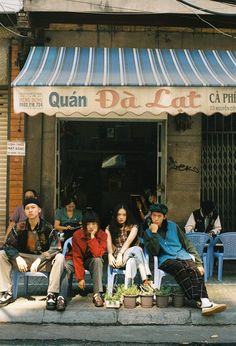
58,266
95,266
136,252
5,279
188,277
64,286
192,282
130,271
54,286
66,276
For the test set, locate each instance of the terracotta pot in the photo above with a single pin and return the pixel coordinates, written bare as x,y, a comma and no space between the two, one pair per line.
130,302
146,301
162,301
178,300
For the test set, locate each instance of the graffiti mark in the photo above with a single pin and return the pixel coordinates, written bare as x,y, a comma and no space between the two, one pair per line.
172,164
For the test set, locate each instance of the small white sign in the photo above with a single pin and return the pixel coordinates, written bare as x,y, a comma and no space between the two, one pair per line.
15,148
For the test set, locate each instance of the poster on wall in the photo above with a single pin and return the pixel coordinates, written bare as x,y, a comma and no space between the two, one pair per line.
15,148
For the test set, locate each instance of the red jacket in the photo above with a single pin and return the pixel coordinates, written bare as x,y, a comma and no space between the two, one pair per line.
80,243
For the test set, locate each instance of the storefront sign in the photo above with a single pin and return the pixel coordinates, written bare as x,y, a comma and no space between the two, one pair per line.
15,148
124,102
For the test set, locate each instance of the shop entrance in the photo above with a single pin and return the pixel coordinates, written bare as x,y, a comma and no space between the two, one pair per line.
104,163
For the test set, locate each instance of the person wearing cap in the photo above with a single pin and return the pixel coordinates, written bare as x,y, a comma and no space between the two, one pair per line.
19,212
33,246
178,256
206,219
88,246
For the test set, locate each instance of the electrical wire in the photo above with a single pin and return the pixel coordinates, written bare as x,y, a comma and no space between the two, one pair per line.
204,9
153,12
211,25
228,2
13,32
7,14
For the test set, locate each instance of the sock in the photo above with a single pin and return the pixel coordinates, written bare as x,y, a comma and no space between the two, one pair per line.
205,303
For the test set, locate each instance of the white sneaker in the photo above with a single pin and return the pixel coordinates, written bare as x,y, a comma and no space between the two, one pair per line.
213,308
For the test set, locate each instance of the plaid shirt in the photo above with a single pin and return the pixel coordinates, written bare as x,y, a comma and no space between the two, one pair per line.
121,239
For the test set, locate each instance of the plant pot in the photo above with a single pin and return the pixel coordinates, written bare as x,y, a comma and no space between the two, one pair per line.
113,304
146,301
178,300
162,301
130,302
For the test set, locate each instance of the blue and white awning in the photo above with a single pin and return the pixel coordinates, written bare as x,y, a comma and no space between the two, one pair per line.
71,77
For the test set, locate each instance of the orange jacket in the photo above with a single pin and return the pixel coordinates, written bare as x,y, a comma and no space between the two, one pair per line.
96,246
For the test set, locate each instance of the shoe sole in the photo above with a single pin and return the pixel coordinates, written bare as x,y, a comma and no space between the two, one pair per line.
60,309
214,311
51,308
6,303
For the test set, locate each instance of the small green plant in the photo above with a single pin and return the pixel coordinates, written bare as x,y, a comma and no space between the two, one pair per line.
177,290
163,291
131,291
116,296
146,291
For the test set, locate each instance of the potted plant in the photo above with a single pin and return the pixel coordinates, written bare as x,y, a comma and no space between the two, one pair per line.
113,301
146,296
162,296
177,297
130,296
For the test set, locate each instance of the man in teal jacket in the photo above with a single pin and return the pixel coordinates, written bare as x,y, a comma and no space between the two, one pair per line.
178,257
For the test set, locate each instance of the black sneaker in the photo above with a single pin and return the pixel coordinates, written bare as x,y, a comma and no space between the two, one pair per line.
51,301
6,299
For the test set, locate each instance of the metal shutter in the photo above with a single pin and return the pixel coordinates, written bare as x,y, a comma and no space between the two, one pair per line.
3,159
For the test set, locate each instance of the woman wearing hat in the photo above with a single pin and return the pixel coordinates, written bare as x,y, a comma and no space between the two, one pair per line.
163,238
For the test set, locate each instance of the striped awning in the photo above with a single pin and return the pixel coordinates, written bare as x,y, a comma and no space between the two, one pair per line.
181,72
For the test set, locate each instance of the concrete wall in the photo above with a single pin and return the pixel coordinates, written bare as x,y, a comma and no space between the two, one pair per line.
40,165
138,36
183,169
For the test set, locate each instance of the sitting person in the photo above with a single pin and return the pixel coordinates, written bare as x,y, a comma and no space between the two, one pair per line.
68,219
206,219
33,246
123,249
164,239
19,212
144,201
88,246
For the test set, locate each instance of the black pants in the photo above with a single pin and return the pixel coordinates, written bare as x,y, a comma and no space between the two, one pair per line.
187,276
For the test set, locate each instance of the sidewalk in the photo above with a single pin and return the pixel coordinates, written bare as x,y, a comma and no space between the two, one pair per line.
81,310
81,322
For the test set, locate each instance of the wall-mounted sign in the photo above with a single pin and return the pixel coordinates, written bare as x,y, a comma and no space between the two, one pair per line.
15,148
124,102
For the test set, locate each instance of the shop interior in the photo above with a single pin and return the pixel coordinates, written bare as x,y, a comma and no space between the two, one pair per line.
104,163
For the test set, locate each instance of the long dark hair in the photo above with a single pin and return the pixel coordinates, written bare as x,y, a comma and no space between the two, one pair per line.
114,226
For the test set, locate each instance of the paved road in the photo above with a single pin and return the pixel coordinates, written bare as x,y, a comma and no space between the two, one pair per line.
116,335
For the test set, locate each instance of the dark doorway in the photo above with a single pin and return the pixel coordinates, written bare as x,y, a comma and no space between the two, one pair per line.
104,163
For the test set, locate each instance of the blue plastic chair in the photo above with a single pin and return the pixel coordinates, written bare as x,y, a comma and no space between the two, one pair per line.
200,241
229,250
111,275
15,280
